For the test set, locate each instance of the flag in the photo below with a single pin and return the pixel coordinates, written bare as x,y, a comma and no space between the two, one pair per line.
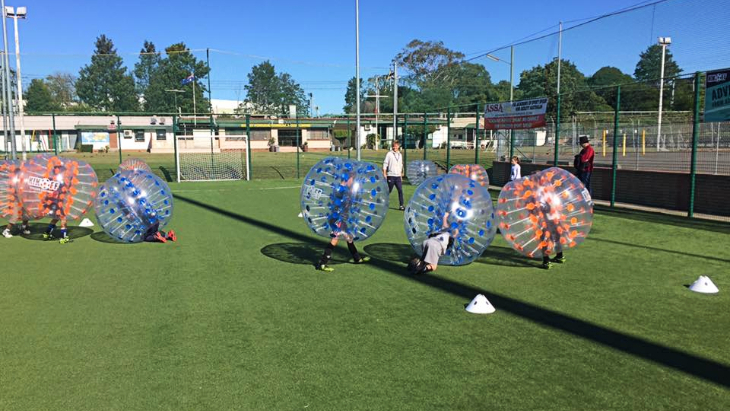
187,80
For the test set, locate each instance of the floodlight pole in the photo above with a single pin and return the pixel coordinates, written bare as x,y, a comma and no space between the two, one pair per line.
357,75
15,13
8,85
395,102
664,42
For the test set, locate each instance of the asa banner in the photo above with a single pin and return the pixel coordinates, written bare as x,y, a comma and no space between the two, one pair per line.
717,95
516,115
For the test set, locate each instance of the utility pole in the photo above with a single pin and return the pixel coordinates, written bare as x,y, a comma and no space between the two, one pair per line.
357,74
8,85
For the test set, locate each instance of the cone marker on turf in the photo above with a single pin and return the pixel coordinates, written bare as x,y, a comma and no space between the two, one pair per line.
300,215
704,285
480,305
86,223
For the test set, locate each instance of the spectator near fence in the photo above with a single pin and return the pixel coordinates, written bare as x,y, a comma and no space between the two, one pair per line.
584,163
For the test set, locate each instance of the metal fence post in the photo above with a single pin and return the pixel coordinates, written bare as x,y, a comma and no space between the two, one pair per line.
476,138
298,143
349,137
557,133
448,137
695,137
55,140
119,138
248,144
614,164
425,136
174,145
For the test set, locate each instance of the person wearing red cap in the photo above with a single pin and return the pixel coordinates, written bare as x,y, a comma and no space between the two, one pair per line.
584,163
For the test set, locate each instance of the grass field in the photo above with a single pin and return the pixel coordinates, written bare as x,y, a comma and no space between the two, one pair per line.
233,316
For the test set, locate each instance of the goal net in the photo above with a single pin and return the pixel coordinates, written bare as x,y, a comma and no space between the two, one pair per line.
211,158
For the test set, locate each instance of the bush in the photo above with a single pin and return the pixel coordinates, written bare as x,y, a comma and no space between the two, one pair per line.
87,148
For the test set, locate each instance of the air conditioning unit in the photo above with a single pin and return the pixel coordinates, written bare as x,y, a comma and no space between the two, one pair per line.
128,133
366,128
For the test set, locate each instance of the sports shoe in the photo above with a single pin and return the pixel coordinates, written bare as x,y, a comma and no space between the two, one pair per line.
546,265
559,260
171,236
160,238
413,264
6,233
401,208
325,268
26,230
65,240
48,236
362,260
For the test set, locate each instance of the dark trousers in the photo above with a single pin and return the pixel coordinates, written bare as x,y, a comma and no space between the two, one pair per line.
149,235
585,178
398,183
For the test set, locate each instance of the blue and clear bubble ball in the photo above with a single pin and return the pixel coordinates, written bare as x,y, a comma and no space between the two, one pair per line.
419,170
470,217
344,198
130,203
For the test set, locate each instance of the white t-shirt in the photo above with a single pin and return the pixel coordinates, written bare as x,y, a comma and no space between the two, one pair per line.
443,238
393,164
516,172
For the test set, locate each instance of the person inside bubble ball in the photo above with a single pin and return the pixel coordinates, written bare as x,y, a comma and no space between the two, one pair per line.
337,221
14,208
54,204
550,233
434,247
154,235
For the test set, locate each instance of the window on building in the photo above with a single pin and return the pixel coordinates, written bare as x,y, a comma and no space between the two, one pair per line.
139,136
161,135
318,135
288,138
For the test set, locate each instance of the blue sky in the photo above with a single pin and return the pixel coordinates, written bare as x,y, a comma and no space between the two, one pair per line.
314,41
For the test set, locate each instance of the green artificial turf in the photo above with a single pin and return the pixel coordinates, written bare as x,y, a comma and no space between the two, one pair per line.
233,316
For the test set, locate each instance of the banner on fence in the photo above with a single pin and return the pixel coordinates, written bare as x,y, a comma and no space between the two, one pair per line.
717,95
515,115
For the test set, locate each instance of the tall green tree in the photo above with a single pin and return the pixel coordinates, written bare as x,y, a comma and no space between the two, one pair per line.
38,98
648,69
426,60
604,82
105,84
178,64
271,93
541,81
63,89
351,95
145,68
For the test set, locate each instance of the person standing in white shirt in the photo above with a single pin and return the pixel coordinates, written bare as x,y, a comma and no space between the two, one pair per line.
516,173
393,171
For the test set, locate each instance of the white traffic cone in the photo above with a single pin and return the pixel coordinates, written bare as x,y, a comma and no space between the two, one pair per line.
704,285
86,223
300,215
480,305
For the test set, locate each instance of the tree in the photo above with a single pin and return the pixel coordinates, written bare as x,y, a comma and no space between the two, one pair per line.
604,82
149,62
351,95
105,84
541,81
178,64
271,93
38,98
648,69
426,59
63,89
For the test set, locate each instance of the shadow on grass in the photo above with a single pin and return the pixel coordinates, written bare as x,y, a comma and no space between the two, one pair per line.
37,230
166,173
399,253
688,363
505,256
303,253
662,250
657,218
103,237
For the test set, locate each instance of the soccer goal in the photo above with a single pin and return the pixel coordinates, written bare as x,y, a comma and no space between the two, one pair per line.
211,158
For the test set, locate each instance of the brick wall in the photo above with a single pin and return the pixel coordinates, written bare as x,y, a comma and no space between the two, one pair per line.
648,188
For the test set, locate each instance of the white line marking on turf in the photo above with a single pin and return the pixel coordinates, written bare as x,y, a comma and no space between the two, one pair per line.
237,189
